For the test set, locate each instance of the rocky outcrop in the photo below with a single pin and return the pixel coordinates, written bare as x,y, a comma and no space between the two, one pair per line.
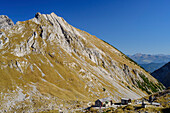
64,65
5,22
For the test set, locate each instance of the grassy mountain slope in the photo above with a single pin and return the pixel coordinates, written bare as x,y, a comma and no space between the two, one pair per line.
45,63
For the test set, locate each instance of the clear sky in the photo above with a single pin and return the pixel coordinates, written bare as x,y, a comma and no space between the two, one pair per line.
132,26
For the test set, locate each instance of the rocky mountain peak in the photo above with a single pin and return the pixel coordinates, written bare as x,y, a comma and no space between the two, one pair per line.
47,61
37,15
5,22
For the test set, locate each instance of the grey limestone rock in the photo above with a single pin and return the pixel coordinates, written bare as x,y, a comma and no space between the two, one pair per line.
5,22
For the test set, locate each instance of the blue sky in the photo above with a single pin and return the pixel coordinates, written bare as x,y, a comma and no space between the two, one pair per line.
132,26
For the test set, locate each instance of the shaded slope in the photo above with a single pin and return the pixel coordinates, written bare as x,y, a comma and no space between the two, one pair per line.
151,67
163,74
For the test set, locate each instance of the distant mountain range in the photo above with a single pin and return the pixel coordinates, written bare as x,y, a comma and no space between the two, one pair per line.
163,74
147,58
150,62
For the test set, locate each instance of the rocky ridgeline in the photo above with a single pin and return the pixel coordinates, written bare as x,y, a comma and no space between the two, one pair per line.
46,60
5,22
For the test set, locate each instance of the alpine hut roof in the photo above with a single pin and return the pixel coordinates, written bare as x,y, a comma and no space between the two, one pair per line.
105,99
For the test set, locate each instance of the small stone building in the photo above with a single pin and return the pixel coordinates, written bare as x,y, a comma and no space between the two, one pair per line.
104,102
125,101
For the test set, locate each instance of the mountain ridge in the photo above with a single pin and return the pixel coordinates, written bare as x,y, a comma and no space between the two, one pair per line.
5,22
45,63
151,67
149,58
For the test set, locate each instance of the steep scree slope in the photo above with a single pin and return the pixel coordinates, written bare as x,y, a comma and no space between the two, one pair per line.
46,63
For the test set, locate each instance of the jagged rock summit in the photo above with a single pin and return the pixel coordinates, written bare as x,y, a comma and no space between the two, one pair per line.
45,64
5,22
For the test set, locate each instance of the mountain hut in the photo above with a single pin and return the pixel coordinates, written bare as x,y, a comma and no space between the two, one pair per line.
104,102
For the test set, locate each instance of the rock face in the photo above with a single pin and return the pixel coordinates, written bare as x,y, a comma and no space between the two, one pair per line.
5,22
163,74
45,63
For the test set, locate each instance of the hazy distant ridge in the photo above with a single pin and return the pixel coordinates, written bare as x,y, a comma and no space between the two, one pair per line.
147,58
150,62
